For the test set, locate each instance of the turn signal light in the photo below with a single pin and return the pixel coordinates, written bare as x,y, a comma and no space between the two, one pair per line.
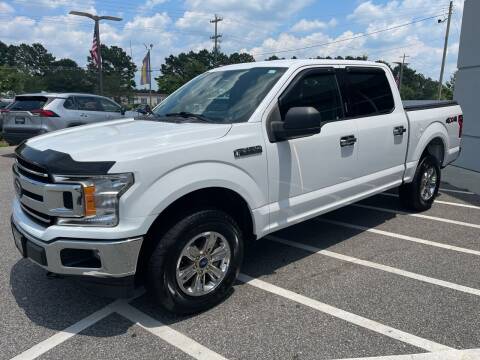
89,196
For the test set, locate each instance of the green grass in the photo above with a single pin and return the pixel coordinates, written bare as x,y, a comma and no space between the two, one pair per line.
2,142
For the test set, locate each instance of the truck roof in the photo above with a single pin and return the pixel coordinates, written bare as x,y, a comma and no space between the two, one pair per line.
296,63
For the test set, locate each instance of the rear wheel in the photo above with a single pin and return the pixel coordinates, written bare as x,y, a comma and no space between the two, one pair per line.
196,262
421,192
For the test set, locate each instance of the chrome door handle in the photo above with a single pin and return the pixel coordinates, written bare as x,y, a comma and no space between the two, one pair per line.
349,140
399,130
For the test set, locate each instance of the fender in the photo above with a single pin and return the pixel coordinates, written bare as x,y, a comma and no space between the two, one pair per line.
191,177
417,145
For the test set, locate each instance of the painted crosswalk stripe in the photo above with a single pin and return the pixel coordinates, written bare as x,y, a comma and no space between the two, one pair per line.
441,202
345,315
167,334
373,265
422,216
400,236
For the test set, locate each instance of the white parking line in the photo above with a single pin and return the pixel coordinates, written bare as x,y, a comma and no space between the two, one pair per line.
457,191
171,336
61,336
471,354
435,218
370,264
345,315
441,202
400,236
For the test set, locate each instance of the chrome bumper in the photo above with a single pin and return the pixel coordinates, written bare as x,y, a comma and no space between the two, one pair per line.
118,258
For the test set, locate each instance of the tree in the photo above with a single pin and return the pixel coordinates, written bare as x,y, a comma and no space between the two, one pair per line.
118,72
180,69
66,76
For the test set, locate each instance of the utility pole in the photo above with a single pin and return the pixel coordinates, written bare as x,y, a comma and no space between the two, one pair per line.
440,85
402,65
97,35
215,37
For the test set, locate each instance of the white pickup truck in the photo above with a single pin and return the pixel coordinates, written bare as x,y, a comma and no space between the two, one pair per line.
237,153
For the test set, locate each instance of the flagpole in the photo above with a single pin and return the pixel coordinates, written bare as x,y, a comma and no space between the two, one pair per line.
99,54
150,76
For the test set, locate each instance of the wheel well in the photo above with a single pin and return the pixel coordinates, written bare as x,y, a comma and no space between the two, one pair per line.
219,198
435,148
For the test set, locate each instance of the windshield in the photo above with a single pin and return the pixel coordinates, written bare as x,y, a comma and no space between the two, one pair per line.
229,96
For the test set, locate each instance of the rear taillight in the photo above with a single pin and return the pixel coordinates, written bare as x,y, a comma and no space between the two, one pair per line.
44,113
460,125
2,111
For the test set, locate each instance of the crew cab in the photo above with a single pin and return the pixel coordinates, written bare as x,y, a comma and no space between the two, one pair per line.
237,153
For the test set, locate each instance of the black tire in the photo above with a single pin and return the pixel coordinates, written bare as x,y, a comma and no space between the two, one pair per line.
162,266
410,194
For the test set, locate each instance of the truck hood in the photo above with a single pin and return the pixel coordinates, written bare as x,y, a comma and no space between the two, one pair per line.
126,139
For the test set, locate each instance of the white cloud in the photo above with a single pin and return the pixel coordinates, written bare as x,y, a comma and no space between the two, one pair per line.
150,4
53,4
341,45
6,8
310,25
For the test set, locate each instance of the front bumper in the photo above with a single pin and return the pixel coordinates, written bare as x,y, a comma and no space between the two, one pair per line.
81,257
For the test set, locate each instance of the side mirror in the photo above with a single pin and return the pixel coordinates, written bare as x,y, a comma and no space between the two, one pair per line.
122,110
298,122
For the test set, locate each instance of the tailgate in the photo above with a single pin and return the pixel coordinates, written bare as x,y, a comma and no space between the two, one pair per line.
22,113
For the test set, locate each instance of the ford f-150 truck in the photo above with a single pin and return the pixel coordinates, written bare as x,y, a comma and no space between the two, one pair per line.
238,152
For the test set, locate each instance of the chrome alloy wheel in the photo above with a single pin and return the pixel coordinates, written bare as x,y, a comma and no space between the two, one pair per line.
428,183
203,263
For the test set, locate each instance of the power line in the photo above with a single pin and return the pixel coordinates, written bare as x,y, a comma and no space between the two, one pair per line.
348,39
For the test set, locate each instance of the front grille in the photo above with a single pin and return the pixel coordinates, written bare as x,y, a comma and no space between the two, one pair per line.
43,200
37,216
32,171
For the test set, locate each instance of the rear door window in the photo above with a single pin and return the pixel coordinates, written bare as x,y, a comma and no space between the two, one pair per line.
368,92
29,103
70,104
88,103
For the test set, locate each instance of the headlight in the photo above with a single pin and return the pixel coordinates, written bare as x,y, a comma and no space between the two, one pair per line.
100,198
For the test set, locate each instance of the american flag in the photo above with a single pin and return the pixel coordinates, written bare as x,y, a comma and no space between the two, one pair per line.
94,50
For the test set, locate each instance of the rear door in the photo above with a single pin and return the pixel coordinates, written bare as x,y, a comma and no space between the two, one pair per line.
89,109
382,126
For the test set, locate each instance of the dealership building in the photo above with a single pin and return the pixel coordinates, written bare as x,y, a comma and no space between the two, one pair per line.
467,85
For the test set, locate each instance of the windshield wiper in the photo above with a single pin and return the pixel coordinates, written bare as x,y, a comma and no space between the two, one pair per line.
185,114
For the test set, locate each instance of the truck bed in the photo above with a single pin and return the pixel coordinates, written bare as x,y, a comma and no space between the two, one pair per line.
413,105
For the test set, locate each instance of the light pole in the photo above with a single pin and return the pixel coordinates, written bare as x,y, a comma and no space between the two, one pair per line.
97,19
445,48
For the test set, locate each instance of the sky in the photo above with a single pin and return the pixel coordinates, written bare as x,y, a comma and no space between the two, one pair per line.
301,28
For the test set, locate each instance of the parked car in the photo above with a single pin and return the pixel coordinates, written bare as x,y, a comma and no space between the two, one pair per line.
143,109
237,153
4,103
35,114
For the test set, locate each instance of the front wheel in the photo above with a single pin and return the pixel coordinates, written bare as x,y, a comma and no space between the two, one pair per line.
196,262
421,192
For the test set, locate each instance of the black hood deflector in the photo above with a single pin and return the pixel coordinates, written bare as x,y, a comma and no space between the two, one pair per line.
59,163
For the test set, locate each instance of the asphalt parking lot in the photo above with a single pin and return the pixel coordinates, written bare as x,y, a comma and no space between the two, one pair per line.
365,281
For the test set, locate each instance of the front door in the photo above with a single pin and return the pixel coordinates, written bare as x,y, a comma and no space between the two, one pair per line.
310,174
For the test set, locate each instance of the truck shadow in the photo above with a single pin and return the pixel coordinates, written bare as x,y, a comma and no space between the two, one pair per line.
58,303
